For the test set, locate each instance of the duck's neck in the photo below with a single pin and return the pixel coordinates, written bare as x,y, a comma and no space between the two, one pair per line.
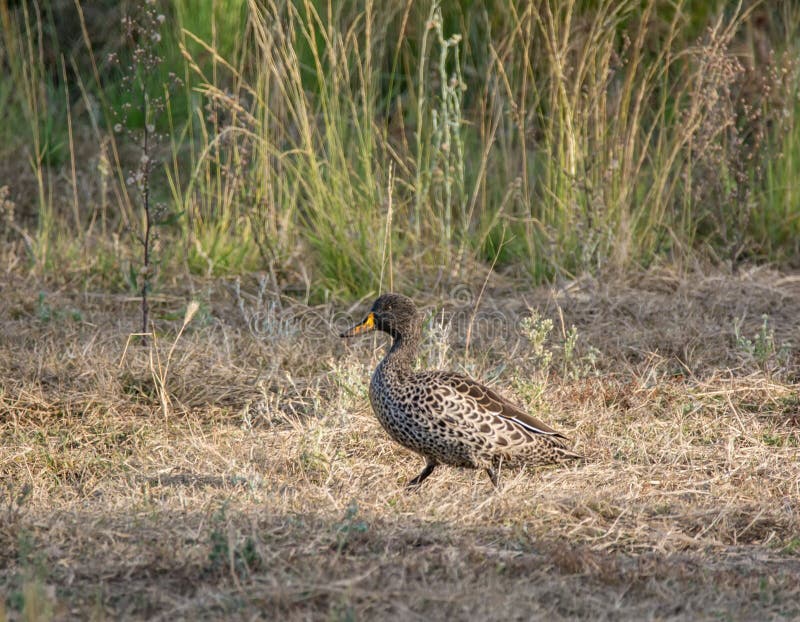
403,353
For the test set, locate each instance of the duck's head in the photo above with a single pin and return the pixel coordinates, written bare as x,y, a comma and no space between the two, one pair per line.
394,314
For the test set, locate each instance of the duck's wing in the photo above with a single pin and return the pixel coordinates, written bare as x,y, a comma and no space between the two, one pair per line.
489,401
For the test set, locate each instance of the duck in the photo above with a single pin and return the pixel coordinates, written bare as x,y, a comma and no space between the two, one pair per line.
446,417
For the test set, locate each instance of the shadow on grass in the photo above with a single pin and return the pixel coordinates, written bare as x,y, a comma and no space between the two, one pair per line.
238,560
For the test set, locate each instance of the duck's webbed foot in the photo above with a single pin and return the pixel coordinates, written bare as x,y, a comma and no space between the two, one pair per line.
429,467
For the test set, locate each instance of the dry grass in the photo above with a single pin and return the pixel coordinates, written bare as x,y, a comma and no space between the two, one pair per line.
266,488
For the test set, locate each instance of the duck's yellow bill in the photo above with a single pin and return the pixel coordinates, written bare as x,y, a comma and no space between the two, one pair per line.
366,326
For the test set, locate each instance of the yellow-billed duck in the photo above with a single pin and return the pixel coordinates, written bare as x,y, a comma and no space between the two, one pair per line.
446,417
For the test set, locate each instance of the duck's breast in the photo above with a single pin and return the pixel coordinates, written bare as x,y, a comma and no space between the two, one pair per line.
422,426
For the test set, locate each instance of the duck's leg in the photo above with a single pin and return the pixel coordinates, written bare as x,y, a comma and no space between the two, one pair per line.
430,465
493,476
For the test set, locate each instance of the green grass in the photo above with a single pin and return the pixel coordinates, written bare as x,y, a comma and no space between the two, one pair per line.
350,144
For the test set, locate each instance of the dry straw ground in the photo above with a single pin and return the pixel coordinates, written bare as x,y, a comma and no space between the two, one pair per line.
250,480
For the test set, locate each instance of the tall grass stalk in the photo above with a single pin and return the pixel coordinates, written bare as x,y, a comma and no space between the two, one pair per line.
24,42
